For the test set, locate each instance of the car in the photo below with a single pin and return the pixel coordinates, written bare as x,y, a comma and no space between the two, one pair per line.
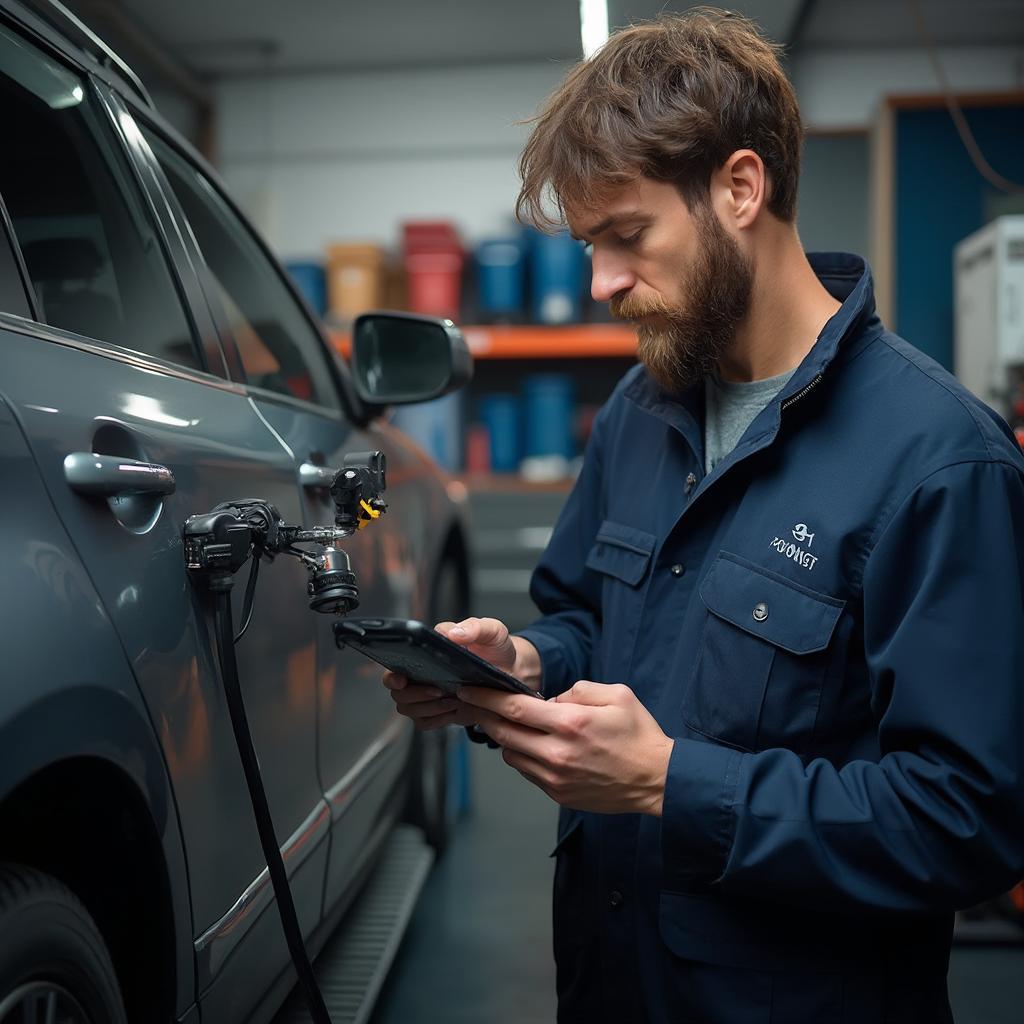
148,334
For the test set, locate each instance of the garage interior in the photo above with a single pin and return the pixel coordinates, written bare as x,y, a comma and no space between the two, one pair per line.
375,147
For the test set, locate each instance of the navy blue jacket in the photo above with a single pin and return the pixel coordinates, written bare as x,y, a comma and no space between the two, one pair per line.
831,626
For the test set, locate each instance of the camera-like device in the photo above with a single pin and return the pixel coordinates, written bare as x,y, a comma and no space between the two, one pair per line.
218,543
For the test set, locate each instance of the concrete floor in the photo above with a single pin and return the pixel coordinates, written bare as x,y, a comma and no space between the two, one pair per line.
478,948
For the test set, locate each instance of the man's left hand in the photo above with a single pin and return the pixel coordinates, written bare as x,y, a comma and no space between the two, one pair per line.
594,747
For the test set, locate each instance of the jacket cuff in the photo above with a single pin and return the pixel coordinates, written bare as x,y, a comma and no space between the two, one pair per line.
555,671
697,820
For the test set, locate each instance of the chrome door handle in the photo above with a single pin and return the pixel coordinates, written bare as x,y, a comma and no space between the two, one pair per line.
316,476
109,476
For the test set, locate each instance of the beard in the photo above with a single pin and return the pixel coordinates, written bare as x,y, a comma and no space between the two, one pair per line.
680,345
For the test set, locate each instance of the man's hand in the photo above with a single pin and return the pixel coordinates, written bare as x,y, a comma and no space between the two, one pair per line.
594,747
430,708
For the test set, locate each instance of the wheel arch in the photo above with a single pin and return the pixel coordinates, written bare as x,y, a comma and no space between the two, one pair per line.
84,797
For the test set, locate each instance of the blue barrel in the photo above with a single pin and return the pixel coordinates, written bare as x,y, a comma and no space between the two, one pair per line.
312,282
548,414
557,265
500,413
501,265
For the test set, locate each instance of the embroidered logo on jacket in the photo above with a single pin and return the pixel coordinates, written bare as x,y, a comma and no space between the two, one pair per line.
801,534
791,550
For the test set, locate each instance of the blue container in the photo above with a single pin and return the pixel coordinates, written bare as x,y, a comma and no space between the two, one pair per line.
557,265
436,426
502,277
548,412
312,282
500,413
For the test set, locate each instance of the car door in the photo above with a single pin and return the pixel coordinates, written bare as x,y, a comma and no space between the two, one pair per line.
119,370
294,383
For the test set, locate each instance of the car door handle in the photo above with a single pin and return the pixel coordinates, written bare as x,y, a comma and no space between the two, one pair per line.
109,476
316,476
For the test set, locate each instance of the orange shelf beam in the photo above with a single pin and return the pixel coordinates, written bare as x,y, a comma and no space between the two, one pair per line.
577,341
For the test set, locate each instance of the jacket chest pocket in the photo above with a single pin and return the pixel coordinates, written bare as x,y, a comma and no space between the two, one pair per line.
763,658
622,555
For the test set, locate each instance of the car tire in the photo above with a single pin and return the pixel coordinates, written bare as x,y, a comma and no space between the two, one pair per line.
54,964
428,795
428,788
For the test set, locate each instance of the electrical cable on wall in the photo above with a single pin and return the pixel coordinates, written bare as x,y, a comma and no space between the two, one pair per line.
982,165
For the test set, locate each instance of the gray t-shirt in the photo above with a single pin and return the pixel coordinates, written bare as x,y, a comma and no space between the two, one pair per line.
730,407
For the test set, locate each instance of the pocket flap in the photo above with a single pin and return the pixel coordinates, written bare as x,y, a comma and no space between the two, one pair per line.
621,551
568,825
769,606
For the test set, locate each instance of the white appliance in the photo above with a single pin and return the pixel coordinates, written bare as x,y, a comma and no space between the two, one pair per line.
988,341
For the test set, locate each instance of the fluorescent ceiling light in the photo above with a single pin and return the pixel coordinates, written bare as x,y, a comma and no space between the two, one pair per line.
593,25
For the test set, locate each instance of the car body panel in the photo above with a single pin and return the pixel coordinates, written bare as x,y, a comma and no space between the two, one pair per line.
70,693
210,437
326,731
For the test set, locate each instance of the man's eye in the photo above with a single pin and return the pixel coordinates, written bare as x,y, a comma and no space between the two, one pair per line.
588,246
632,239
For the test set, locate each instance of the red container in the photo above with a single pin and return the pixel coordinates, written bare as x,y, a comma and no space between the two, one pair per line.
433,265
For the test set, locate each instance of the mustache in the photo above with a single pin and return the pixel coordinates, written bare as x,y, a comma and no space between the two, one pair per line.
635,307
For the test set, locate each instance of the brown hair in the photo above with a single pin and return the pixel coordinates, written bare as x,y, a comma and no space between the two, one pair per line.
670,99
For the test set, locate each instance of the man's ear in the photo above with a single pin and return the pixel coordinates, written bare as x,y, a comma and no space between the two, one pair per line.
740,186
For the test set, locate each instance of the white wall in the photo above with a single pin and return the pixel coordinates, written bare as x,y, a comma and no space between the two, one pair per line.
841,88
317,159
323,158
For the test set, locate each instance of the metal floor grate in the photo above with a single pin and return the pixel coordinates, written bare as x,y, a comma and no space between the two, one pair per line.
352,966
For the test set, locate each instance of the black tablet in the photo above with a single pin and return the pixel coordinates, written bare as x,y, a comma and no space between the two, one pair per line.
423,655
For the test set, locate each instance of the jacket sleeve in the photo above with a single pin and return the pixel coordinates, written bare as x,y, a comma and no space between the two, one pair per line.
566,592
937,823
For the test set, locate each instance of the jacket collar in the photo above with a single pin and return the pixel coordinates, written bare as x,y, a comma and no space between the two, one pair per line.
848,279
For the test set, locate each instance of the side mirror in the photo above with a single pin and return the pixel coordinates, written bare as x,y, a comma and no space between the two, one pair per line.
401,358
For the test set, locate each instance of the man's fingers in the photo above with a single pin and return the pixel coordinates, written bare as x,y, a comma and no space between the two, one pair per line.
528,711
419,710
394,681
417,694
594,694
459,716
482,632
519,738
531,769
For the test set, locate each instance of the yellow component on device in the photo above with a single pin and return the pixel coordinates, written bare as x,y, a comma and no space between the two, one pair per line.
371,512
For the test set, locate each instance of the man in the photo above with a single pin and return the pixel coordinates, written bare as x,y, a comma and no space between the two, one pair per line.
783,612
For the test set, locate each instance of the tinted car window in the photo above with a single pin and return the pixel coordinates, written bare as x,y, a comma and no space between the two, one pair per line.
12,291
95,262
279,348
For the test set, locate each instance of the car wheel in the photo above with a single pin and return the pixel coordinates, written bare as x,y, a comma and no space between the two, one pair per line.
428,791
428,804
54,965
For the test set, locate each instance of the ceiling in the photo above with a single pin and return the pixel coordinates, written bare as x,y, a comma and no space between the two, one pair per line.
203,40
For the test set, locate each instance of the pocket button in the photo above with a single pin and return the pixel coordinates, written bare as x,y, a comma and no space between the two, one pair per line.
760,611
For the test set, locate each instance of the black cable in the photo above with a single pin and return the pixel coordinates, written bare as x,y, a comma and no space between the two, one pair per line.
250,591
261,810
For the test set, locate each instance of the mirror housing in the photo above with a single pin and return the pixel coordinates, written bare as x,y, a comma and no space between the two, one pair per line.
403,358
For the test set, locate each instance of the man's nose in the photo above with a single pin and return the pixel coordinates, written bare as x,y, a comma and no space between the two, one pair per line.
609,277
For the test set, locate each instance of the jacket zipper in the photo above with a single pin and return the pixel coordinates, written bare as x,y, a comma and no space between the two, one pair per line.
800,394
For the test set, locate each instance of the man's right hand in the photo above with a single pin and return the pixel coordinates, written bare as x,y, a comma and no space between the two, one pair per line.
430,708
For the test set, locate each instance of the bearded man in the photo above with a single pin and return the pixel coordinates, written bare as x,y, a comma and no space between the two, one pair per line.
782,632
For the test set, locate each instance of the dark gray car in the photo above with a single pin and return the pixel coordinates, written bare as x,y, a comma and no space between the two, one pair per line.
141,318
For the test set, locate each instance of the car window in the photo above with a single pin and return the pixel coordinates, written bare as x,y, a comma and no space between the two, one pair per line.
95,262
280,350
12,291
